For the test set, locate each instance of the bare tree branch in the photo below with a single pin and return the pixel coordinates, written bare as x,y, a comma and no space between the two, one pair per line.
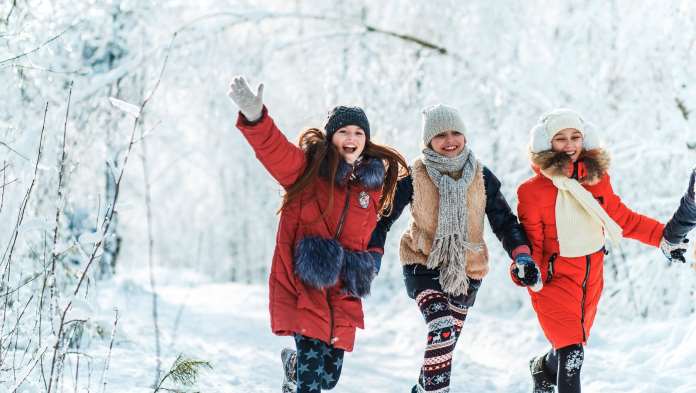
9,14
20,218
13,150
28,371
150,258
25,283
108,355
57,345
49,70
27,53
59,198
408,38
112,208
259,16
4,184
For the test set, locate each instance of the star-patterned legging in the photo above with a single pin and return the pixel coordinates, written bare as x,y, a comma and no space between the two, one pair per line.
318,364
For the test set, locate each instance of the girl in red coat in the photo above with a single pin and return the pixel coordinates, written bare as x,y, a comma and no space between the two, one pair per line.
568,209
336,183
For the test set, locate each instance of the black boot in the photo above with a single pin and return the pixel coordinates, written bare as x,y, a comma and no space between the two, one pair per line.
289,359
543,383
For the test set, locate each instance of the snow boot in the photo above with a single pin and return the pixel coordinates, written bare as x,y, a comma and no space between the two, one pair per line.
543,383
289,358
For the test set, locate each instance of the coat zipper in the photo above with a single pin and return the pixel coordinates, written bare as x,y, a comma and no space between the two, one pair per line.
550,270
338,233
331,319
584,295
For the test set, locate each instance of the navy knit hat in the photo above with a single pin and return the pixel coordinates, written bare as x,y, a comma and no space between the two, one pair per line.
342,116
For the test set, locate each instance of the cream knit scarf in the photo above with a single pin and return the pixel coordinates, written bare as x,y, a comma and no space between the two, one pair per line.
581,223
448,253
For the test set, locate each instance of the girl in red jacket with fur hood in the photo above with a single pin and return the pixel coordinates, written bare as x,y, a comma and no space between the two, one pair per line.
336,183
568,209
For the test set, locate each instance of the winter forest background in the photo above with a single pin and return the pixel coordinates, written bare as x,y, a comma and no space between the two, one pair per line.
128,241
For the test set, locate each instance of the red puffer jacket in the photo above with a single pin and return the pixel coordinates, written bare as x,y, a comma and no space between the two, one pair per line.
567,304
328,314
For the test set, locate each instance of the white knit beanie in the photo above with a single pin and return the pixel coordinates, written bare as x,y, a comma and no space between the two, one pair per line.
556,120
438,119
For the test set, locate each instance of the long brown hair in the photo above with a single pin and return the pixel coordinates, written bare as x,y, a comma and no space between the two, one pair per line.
317,149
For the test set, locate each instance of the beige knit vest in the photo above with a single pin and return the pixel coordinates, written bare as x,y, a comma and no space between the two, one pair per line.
417,241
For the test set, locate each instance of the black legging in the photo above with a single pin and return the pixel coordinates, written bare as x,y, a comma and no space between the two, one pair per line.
565,364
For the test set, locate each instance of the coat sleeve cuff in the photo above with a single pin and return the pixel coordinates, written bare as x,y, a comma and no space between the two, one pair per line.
242,120
520,250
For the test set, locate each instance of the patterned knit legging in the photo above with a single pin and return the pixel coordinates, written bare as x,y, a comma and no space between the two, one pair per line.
318,365
445,319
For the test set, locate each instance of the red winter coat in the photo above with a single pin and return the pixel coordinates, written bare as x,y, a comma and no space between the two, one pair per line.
325,314
567,304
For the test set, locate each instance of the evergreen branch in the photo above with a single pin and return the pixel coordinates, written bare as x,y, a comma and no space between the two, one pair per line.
184,371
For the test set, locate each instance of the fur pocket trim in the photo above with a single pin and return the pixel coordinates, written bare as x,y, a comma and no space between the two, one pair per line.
357,273
318,261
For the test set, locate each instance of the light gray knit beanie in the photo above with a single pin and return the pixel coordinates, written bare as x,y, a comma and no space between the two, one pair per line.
559,119
438,119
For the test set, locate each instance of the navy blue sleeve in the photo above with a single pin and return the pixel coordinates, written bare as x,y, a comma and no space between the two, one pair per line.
684,219
402,197
503,221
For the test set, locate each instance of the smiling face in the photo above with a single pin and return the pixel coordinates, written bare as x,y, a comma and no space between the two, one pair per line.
350,142
448,143
568,141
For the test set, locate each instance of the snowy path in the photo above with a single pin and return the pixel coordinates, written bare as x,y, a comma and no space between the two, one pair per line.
227,324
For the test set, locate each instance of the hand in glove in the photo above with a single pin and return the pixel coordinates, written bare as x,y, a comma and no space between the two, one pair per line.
249,104
674,252
527,272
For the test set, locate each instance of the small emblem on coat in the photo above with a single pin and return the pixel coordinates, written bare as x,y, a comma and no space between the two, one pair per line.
364,199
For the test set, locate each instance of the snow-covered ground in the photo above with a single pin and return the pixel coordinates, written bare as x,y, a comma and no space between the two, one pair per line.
227,325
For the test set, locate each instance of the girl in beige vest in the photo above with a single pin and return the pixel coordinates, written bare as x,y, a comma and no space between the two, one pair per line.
443,253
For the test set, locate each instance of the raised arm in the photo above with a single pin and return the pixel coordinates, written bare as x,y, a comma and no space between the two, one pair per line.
284,160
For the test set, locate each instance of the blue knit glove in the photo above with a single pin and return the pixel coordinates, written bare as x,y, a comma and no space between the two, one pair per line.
527,272
378,260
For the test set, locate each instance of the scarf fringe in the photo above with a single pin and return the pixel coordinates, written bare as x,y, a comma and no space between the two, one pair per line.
449,255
